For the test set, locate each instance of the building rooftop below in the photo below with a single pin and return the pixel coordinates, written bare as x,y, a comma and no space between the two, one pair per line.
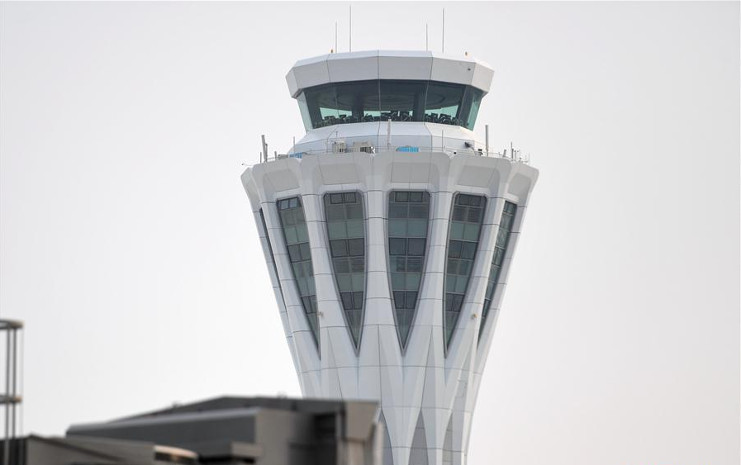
238,430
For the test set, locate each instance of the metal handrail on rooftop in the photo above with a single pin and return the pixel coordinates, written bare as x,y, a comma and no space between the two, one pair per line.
518,158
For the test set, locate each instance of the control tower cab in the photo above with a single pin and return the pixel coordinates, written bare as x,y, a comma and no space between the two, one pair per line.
363,101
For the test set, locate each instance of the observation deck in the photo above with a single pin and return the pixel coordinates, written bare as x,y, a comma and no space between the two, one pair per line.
388,100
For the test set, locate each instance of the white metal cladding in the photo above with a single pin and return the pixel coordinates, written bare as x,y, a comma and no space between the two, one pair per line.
383,64
421,389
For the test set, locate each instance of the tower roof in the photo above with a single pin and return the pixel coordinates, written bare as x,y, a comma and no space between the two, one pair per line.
386,64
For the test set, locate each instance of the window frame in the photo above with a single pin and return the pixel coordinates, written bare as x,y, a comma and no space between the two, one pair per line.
360,198
390,265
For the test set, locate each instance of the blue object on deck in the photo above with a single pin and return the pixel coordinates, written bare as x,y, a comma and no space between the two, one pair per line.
408,148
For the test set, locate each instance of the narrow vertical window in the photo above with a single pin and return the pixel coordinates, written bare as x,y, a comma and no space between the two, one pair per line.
463,240
500,250
293,223
408,215
346,232
272,256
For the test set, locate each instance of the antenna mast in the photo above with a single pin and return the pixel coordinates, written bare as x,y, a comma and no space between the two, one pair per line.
443,30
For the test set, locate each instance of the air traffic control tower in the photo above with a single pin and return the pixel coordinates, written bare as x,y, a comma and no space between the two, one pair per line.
388,231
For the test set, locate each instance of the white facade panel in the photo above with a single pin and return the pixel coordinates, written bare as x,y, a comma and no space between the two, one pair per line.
457,71
405,67
361,66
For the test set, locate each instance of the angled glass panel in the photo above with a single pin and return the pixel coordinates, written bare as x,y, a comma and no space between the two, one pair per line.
463,241
272,256
402,100
346,233
443,103
293,224
408,218
500,250
389,99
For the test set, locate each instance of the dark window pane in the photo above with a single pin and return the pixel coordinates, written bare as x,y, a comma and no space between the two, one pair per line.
442,102
498,256
341,265
346,300
468,250
507,221
294,252
402,100
402,196
510,207
349,197
459,213
474,215
454,249
398,211
399,299
354,212
411,300
457,302
356,247
288,218
464,267
414,264
357,264
418,211
449,302
415,196
397,246
305,251
417,247
335,212
335,198
358,300
339,248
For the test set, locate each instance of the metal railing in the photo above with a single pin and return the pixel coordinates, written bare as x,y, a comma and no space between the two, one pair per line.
513,155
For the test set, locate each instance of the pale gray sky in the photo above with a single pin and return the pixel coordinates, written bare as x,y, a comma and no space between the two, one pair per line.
127,245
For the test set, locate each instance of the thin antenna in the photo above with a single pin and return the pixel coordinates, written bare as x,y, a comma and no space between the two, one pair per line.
487,140
335,37
388,136
350,46
443,30
427,37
